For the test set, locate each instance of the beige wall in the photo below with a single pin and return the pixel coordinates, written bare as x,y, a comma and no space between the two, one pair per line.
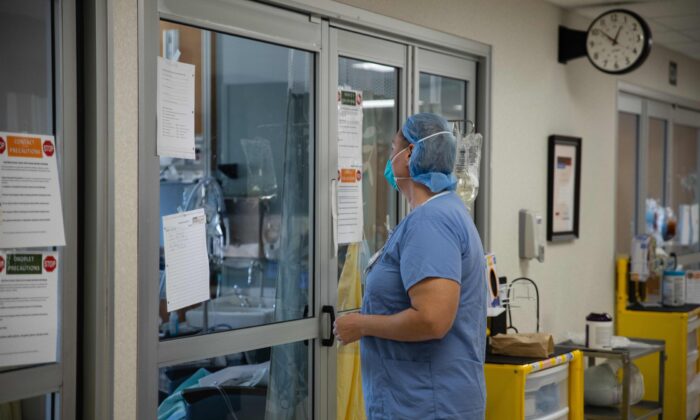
535,96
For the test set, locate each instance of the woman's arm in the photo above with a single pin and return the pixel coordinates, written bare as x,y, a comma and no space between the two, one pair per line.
434,303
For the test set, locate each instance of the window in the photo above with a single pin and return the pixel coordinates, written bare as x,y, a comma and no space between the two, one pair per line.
253,176
443,95
657,160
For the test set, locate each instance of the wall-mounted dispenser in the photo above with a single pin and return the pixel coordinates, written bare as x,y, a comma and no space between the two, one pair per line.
531,235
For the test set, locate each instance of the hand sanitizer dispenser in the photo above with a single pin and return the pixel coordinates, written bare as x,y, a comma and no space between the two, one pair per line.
531,236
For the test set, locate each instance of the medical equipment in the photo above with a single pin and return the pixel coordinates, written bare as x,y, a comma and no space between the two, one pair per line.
531,235
467,163
599,331
674,288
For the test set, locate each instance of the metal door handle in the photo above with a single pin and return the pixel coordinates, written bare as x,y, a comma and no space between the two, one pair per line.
328,309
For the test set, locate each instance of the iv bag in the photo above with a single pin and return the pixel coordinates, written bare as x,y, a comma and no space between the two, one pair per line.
467,168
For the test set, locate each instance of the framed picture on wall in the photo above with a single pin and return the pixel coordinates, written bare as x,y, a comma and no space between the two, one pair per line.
563,188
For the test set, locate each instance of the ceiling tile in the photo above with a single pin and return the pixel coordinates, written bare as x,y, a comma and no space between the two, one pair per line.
681,22
670,37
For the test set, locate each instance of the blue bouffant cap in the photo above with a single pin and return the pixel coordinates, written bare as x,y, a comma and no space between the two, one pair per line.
435,148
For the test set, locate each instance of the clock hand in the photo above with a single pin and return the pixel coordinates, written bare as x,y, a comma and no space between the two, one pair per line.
617,35
608,36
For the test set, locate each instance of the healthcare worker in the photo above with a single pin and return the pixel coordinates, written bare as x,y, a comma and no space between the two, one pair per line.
423,320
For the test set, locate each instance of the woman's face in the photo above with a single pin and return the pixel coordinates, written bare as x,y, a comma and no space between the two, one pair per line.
400,155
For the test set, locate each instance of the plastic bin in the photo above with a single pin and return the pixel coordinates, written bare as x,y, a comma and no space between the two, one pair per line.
692,366
546,393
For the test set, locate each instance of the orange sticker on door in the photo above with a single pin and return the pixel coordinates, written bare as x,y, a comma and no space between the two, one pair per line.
350,175
26,147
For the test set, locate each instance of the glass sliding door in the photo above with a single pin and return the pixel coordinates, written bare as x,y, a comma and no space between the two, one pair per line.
38,313
376,69
249,350
379,85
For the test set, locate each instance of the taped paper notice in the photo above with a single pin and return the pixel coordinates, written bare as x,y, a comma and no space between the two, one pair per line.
28,308
30,197
350,217
175,110
186,259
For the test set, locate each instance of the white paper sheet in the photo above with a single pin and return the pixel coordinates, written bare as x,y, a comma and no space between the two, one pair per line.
564,188
349,129
30,198
350,217
175,110
28,308
186,259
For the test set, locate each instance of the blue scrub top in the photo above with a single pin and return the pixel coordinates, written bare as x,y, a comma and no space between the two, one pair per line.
436,379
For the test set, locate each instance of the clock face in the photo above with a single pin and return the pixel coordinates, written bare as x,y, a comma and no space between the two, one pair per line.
618,41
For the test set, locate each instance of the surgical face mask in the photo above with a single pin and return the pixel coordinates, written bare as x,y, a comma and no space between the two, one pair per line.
389,170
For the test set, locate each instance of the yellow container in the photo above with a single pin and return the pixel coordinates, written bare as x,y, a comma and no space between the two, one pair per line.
506,387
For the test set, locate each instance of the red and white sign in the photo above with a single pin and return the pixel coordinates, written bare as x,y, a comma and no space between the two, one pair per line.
50,263
2,145
48,148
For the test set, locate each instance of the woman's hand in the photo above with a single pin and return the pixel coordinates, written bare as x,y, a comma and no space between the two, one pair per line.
348,328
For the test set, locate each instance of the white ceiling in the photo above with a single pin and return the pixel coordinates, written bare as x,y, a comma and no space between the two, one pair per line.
674,24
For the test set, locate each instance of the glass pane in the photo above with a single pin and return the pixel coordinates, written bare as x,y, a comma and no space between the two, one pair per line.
685,166
270,383
443,95
26,73
27,106
656,160
35,408
253,176
379,87
627,139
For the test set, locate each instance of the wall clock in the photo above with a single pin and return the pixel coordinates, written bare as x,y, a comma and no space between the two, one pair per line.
616,42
